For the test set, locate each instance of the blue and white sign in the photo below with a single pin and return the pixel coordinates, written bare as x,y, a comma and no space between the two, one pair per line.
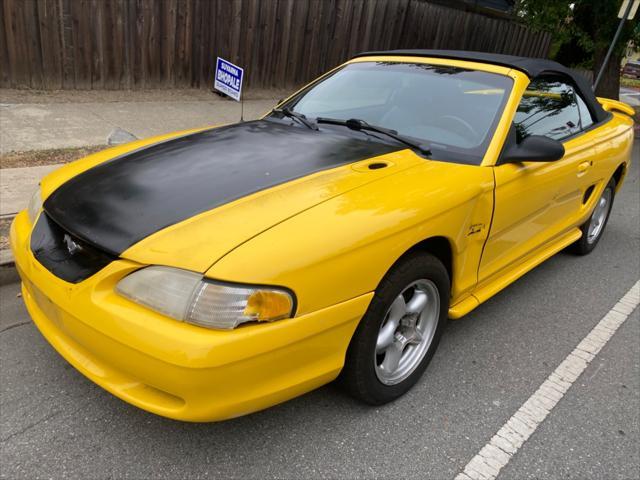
228,78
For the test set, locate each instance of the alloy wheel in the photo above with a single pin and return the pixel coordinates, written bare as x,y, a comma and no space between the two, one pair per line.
599,216
407,332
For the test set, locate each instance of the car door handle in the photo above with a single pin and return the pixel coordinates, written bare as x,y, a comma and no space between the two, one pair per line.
584,166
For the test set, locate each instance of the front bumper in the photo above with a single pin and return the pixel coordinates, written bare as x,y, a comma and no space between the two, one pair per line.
175,369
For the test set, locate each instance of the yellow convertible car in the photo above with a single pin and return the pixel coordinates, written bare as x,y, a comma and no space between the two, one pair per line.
207,274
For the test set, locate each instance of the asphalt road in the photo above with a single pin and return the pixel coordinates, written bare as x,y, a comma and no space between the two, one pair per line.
630,96
54,422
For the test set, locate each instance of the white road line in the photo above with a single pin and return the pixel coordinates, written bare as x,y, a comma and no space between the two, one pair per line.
495,455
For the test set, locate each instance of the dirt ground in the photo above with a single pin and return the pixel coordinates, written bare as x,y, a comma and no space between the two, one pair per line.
13,96
46,157
5,224
630,82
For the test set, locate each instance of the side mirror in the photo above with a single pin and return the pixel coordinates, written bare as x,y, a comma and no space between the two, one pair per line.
534,148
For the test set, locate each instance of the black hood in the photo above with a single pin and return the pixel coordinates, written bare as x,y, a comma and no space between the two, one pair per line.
118,203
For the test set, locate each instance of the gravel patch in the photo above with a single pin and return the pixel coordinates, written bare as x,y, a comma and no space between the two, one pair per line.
5,225
36,158
15,96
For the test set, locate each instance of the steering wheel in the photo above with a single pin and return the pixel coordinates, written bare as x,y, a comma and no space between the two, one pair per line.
460,122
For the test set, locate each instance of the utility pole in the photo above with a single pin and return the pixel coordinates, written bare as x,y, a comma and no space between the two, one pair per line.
623,18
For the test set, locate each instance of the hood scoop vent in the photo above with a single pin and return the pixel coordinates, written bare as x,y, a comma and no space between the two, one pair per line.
377,165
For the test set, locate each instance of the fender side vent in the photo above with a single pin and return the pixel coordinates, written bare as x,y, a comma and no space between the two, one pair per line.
587,194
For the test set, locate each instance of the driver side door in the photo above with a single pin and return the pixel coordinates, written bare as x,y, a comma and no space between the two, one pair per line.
535,202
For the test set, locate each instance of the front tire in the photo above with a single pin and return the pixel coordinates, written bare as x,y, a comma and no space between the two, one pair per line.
400,332
593,228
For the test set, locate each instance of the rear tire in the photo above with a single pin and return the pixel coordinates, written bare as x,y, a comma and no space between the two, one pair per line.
400,331
593,228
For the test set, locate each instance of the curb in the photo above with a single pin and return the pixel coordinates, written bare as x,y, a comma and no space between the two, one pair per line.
8,273
6,258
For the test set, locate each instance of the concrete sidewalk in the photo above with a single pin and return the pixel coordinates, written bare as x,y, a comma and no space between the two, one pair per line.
17,185
39,121
47,120
630,96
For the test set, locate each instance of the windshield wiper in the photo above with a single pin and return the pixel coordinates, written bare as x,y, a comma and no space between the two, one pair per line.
357,124
296,116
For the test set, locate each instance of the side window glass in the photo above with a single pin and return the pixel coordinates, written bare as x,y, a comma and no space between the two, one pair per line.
549,108
585,115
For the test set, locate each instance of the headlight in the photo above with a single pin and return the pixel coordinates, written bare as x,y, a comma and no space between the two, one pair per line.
188,297
35,204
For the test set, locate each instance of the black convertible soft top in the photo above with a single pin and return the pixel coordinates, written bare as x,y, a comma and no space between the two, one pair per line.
532,67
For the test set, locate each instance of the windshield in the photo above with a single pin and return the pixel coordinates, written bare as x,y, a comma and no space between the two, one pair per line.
453,110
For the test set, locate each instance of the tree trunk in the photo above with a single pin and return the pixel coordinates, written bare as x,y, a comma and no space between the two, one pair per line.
609,86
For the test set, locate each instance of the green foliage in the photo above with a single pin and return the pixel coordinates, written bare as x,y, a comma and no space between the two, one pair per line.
544,14
579,28
630,82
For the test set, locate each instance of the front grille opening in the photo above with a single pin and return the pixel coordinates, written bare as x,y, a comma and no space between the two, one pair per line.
63,254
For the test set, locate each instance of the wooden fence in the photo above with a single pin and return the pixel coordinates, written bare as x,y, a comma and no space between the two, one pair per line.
131,44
